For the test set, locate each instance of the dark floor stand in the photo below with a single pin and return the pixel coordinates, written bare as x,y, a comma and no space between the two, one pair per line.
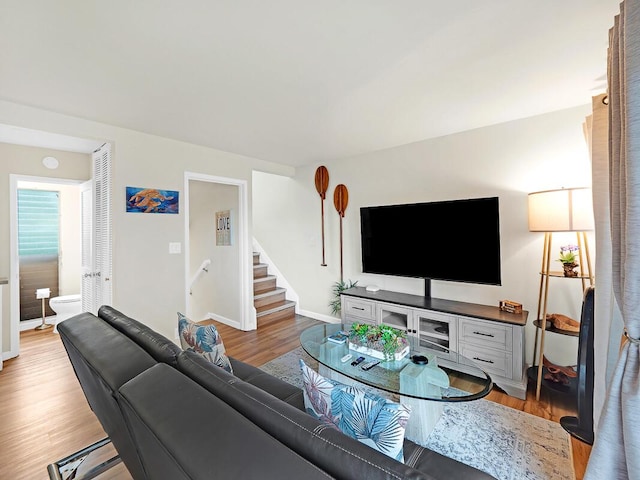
581,426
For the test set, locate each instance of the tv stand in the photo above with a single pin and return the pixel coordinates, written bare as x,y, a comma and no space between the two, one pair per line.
491,337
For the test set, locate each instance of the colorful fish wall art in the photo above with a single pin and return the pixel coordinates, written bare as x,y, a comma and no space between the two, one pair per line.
152,200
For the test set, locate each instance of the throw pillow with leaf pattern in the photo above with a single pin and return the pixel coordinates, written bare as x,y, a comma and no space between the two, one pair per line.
371,419
203,339
365,416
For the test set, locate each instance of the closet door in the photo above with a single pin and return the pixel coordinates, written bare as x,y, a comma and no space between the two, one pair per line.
96,233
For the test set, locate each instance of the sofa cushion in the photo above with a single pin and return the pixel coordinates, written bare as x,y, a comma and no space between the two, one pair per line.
270,384
365,416
339,455
158,346
205,340
185,433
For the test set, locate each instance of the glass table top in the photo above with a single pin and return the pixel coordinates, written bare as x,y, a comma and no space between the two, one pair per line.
451,379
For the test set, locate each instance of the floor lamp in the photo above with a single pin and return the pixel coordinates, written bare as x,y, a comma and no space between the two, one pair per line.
550,211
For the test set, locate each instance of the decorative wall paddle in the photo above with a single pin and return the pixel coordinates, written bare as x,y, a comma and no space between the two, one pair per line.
322,183
341,200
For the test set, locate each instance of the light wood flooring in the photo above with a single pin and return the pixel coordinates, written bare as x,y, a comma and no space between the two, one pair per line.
44,415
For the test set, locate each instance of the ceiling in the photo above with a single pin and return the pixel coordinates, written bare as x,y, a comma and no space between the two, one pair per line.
299,81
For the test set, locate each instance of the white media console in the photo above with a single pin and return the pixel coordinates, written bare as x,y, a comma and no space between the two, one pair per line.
492,338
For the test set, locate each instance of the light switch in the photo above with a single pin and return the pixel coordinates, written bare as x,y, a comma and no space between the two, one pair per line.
175,247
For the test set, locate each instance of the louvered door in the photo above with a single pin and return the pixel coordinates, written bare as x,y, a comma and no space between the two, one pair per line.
96,233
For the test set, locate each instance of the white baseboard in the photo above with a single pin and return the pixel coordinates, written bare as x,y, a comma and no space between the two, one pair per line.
226,321
31,324
319,316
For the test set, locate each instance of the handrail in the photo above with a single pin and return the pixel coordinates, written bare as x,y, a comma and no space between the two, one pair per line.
203,269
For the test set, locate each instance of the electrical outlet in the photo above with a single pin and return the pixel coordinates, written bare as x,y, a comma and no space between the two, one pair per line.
175,247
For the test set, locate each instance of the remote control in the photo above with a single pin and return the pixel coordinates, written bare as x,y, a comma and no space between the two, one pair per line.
369,365
357,361
346,357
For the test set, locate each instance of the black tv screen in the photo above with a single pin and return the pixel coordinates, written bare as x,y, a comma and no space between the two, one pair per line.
457,240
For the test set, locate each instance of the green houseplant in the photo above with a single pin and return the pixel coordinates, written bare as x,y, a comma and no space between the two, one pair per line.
337,289
568,257
382,338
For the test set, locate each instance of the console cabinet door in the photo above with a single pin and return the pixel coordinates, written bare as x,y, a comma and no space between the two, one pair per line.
396,316
438,333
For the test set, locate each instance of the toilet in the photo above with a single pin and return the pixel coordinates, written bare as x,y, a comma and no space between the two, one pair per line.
65,306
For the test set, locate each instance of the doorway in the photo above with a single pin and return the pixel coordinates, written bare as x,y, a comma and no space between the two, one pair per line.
48,236
218,272
26,147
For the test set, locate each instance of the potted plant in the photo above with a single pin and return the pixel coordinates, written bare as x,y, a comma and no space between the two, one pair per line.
380,341
568,257
338,288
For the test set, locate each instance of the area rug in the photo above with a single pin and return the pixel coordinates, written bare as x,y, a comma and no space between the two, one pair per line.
504,442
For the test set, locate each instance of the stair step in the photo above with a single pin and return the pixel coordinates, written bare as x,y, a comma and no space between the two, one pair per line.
275,307
269,297
256,258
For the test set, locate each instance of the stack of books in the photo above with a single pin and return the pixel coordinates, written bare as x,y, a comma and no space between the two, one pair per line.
339,337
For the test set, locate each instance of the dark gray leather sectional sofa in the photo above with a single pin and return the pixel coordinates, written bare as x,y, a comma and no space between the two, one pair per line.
173,415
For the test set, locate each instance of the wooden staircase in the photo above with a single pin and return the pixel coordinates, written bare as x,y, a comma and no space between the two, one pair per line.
270,301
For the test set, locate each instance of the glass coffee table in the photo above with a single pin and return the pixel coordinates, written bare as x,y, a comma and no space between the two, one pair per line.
425,385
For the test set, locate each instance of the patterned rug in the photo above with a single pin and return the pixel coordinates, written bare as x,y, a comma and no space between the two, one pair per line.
506,443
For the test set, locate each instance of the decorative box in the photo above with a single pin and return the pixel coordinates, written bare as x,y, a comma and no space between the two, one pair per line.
510,306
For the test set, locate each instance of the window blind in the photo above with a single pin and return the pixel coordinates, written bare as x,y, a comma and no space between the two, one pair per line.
38,222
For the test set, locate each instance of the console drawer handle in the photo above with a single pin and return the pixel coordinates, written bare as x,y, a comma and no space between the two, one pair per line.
357,308
482,360
483,334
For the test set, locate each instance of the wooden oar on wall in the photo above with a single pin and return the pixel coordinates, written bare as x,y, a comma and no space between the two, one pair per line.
341,200
322,183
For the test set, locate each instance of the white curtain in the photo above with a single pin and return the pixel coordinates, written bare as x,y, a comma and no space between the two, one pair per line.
607,323
616,450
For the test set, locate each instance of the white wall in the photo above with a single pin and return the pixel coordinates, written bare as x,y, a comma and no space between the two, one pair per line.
217,291
508,160
148,283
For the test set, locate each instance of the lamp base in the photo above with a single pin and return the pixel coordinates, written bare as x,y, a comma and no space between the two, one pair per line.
43,326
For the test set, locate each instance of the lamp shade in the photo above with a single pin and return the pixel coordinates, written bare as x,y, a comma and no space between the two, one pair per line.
564,210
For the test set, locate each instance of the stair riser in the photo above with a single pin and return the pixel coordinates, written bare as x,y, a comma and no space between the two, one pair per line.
260,272
286,313
261,302
265,286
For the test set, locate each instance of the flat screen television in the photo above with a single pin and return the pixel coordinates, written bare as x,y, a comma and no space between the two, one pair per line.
456,240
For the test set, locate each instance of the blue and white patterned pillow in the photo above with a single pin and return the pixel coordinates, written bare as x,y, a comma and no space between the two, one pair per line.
203,339
365,416
317,396
371,419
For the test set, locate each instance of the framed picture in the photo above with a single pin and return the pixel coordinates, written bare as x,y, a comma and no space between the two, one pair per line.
223,228
152,200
